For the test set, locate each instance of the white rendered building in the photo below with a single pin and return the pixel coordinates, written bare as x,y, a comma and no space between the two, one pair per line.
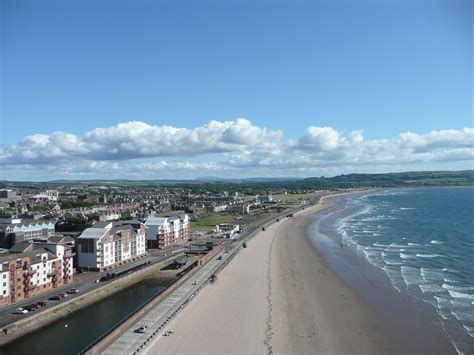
162,232
110,244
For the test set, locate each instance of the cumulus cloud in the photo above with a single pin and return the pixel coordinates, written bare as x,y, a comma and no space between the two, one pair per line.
238,146
137,139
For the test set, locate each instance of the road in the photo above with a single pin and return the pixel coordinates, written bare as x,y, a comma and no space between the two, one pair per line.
85,282
157,319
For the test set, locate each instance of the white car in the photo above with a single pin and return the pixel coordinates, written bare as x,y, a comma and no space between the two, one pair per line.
20,311
142,329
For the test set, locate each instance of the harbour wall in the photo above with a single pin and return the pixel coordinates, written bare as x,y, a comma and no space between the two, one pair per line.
50,314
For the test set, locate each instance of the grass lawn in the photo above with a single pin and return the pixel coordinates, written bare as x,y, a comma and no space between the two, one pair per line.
293,197
211,221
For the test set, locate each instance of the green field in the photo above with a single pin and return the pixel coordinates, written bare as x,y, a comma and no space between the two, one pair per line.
293,197
211,221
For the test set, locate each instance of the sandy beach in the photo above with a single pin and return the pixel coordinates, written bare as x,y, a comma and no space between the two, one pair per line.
280,296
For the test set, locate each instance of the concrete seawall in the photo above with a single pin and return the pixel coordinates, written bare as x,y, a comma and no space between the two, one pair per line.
99,347
52,313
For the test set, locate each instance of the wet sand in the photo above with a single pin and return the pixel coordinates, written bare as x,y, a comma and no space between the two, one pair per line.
280,296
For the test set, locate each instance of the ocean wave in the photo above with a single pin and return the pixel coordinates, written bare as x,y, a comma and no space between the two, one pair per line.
463,315
461,295
456,288
449,280
450,270
406,256
390,262
411,275
430,288
374,218
394,245
407,208
394,276
427,255
432,275
444,306
413,244
470,330
436,242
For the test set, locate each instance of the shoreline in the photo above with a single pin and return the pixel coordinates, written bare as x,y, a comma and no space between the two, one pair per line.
405,319
280,295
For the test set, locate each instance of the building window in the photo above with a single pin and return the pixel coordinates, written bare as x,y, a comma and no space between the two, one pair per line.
87,245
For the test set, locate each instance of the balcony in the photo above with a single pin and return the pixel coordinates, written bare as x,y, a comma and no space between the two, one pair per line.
52,273
30,272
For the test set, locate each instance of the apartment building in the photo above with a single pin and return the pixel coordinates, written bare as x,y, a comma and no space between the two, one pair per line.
40,269
51,195
163,232
14,230
110,244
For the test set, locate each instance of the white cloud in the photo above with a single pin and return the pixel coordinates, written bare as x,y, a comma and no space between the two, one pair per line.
237,147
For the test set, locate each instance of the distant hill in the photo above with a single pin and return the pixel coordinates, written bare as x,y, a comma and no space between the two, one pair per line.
404,179
413,178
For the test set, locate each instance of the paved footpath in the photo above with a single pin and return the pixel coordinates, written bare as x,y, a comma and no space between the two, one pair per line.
158,318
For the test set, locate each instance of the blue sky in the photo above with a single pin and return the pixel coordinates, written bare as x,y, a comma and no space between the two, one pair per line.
384,67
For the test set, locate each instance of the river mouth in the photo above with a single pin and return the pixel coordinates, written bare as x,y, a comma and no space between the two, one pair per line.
72,334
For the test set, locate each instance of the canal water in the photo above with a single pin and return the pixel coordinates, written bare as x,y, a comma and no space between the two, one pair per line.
85,325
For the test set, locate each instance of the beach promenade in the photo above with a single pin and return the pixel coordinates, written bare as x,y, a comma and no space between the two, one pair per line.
278,296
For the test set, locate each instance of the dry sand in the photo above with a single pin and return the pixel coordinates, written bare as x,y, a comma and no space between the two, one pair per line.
279,296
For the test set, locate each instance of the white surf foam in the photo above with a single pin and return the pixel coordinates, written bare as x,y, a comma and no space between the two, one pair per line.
430,288
390,262
428,255
394,276
406,256
461,295
411,275
470,330
456,288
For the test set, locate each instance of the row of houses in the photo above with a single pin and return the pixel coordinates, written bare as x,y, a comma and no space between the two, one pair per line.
34,268
40,261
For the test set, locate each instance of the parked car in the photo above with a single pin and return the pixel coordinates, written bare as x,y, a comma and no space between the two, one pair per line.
219,257
30,308
57,297
20,311
38,305
142,329
63,295
73,291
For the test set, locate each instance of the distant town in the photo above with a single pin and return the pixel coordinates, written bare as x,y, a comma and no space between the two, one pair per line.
66,238
49,235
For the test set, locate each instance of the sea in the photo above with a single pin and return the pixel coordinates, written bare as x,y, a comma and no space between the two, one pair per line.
423,240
